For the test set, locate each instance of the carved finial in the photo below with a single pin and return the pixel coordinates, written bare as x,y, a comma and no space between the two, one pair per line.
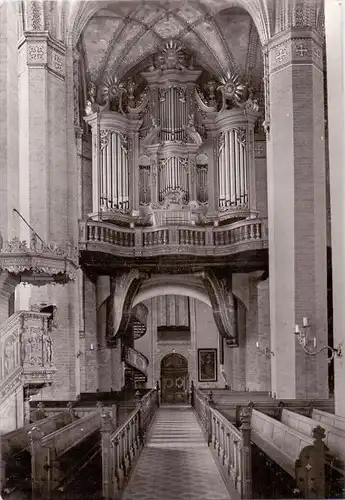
70,406
100,406
35,435
245,414
106,420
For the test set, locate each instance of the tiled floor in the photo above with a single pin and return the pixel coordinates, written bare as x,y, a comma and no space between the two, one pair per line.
176,463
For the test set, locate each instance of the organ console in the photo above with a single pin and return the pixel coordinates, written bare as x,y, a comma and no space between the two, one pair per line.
171,145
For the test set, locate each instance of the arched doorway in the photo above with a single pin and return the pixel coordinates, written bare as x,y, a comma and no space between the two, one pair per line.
174,379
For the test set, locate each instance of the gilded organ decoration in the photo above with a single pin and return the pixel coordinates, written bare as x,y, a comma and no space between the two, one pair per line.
170,111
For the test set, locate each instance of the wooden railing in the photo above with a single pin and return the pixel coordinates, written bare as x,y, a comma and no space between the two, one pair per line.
120,448
231,446
179,239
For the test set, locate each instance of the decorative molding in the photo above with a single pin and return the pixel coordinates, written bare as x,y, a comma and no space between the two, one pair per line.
37,53
297,47
43,51
17,257
260,149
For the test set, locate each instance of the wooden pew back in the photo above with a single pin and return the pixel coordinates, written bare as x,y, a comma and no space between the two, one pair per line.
334,438
328,418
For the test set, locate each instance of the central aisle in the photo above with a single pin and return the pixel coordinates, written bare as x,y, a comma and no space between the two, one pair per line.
176,463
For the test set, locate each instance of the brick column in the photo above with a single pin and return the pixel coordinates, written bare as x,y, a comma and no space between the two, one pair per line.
253,358
43,176
264,333
257,363
297,211
335,41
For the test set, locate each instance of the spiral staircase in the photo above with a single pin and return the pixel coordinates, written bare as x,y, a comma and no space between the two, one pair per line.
136,363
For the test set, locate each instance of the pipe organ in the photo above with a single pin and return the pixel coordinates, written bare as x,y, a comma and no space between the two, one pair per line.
232,169
114,187
164,139
173,176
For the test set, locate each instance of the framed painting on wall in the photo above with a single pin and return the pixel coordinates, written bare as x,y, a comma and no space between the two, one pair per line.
207,365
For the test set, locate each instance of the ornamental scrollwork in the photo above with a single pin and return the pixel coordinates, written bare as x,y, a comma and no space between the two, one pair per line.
124,288
241,135
219,287
104,138
232,90
40,247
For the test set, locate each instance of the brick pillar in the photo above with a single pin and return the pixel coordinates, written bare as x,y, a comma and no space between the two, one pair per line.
257,363
297,210
261,176
43,180
263,330
88,360
252,355
335,40
103,355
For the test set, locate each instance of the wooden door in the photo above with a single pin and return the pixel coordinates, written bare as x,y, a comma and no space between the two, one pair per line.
174,379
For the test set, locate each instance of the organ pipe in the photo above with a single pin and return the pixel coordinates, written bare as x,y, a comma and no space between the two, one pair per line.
114,173
232,171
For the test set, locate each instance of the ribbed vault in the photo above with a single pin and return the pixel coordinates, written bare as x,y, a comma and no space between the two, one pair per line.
121,36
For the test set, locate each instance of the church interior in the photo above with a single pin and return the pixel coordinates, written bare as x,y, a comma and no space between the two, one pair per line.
172,249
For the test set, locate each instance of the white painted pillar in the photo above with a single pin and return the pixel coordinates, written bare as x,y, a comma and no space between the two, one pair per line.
335,50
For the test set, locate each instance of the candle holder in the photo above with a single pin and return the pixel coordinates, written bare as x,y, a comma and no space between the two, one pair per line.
310,343
265,350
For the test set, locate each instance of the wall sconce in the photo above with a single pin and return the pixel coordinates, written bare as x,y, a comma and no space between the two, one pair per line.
307,343
266,351
91,349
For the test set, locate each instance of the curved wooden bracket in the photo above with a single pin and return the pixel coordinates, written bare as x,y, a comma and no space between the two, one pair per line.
219,288
124,288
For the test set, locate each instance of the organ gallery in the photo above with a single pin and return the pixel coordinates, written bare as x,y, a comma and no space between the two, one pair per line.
172,144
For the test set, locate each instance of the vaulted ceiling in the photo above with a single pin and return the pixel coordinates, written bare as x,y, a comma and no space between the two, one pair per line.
124,34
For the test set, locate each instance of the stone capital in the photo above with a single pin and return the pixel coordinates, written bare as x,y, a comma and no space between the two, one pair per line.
43,51
296,46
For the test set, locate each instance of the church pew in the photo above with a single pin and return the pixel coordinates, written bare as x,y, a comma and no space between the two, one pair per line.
48,451
273,407
334,437
328,418
15,442
293,451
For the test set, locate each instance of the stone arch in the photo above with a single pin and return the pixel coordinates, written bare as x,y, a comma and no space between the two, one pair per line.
172,289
